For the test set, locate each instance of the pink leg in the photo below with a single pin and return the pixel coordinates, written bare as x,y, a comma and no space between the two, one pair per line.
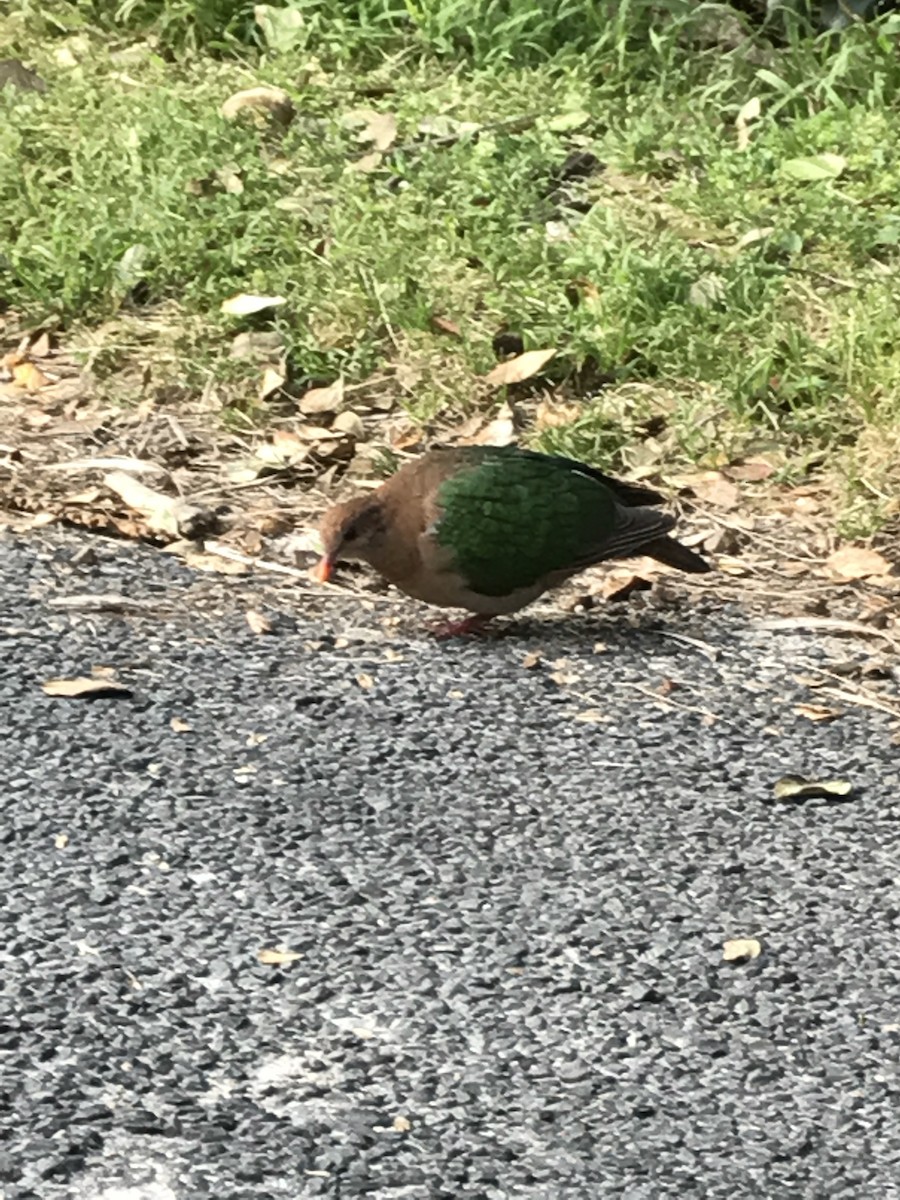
449,629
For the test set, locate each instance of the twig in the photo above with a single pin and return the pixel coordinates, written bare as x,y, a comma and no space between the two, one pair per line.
711,652
858,694
823,625
100,602
691,708
859,700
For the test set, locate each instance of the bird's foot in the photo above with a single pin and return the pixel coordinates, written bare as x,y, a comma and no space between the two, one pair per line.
449,629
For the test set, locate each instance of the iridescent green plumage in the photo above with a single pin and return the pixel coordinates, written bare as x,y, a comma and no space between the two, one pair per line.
511,518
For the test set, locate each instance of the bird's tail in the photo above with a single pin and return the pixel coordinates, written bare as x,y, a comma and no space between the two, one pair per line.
673,554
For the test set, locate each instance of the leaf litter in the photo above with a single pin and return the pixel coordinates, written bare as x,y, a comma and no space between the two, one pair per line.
85,687
799,787
741,512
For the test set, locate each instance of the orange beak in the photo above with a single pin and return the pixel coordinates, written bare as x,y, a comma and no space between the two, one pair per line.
323,570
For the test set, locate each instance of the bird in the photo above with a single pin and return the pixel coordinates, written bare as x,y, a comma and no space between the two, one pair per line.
488,529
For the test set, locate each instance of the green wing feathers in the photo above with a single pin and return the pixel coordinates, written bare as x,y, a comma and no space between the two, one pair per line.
511,518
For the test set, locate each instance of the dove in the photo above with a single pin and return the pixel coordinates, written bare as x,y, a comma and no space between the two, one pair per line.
488,529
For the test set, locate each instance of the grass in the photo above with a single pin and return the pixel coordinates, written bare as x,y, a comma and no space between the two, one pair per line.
708,303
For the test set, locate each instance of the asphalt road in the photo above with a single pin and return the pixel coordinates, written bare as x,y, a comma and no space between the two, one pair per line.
509,918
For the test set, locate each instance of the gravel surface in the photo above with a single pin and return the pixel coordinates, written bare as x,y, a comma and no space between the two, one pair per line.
508,888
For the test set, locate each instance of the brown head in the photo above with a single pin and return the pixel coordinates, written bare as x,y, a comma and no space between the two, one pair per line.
354,529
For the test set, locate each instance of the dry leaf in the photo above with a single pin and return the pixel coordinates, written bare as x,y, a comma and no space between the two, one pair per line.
276,956
29,377
591,716
323,399
817,712
86,686
164,514
707,291
274,378
245,305
257,621
112,462
752,236
713,488
367,164
856,562
499,432
350,423
738,949
366,682
731,566
796,787
564,678
619,586
61,841
380,129
518,369
401,1124
751,470
443,325
531,659
199,560
39,346
178,726
749,112
272,101
550,415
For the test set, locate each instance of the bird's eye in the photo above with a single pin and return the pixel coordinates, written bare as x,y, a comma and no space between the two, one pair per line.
351,535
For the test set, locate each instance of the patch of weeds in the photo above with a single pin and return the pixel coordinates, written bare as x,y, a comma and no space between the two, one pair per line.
685,264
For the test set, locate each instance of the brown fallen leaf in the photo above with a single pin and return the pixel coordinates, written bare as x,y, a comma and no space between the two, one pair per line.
14,73
323,399
215,564
591,716
165,514
531,659
349,423
817,712
498,432
751,470
366,682
739,949
273,379
797,787
732,566
257,621
716,490
443,325
564,678
857,562
618,587
551,415
271,102
518,369
277,956
367,164
29,377
378,129
178,726
401,1124
86,686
